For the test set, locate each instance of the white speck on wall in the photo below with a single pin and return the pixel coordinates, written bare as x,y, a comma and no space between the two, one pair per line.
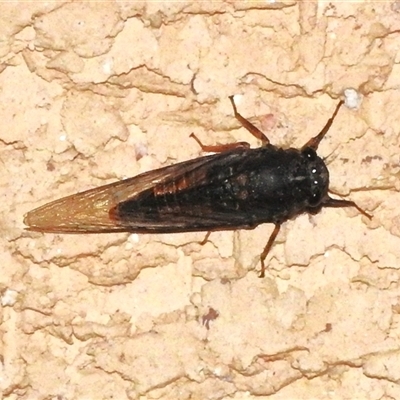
107,66
134,238
63,138
141,150
9,298
237,98
352,98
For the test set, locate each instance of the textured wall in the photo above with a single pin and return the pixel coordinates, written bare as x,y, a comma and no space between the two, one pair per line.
99,91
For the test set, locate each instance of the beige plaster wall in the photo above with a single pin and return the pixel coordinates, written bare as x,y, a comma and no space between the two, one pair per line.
93,92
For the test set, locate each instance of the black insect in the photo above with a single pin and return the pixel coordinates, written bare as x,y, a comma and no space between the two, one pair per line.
236,188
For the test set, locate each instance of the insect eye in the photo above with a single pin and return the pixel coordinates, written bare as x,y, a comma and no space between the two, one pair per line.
319,185
310,153
318,177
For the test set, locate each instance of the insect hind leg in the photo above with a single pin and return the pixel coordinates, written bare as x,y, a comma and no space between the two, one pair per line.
219,148
267,248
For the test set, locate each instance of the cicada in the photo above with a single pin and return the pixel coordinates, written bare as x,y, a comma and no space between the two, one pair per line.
237,187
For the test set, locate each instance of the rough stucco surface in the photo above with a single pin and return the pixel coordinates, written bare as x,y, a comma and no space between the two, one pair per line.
95,92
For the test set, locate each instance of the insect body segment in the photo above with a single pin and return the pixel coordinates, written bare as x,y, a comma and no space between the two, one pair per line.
236,188
239,190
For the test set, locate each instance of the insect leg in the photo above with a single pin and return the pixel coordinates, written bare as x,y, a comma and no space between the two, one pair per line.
337,203
314,142
219,147
248,125
267,248
204,241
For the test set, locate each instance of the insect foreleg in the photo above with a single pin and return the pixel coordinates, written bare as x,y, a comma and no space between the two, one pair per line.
314,142
337,203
